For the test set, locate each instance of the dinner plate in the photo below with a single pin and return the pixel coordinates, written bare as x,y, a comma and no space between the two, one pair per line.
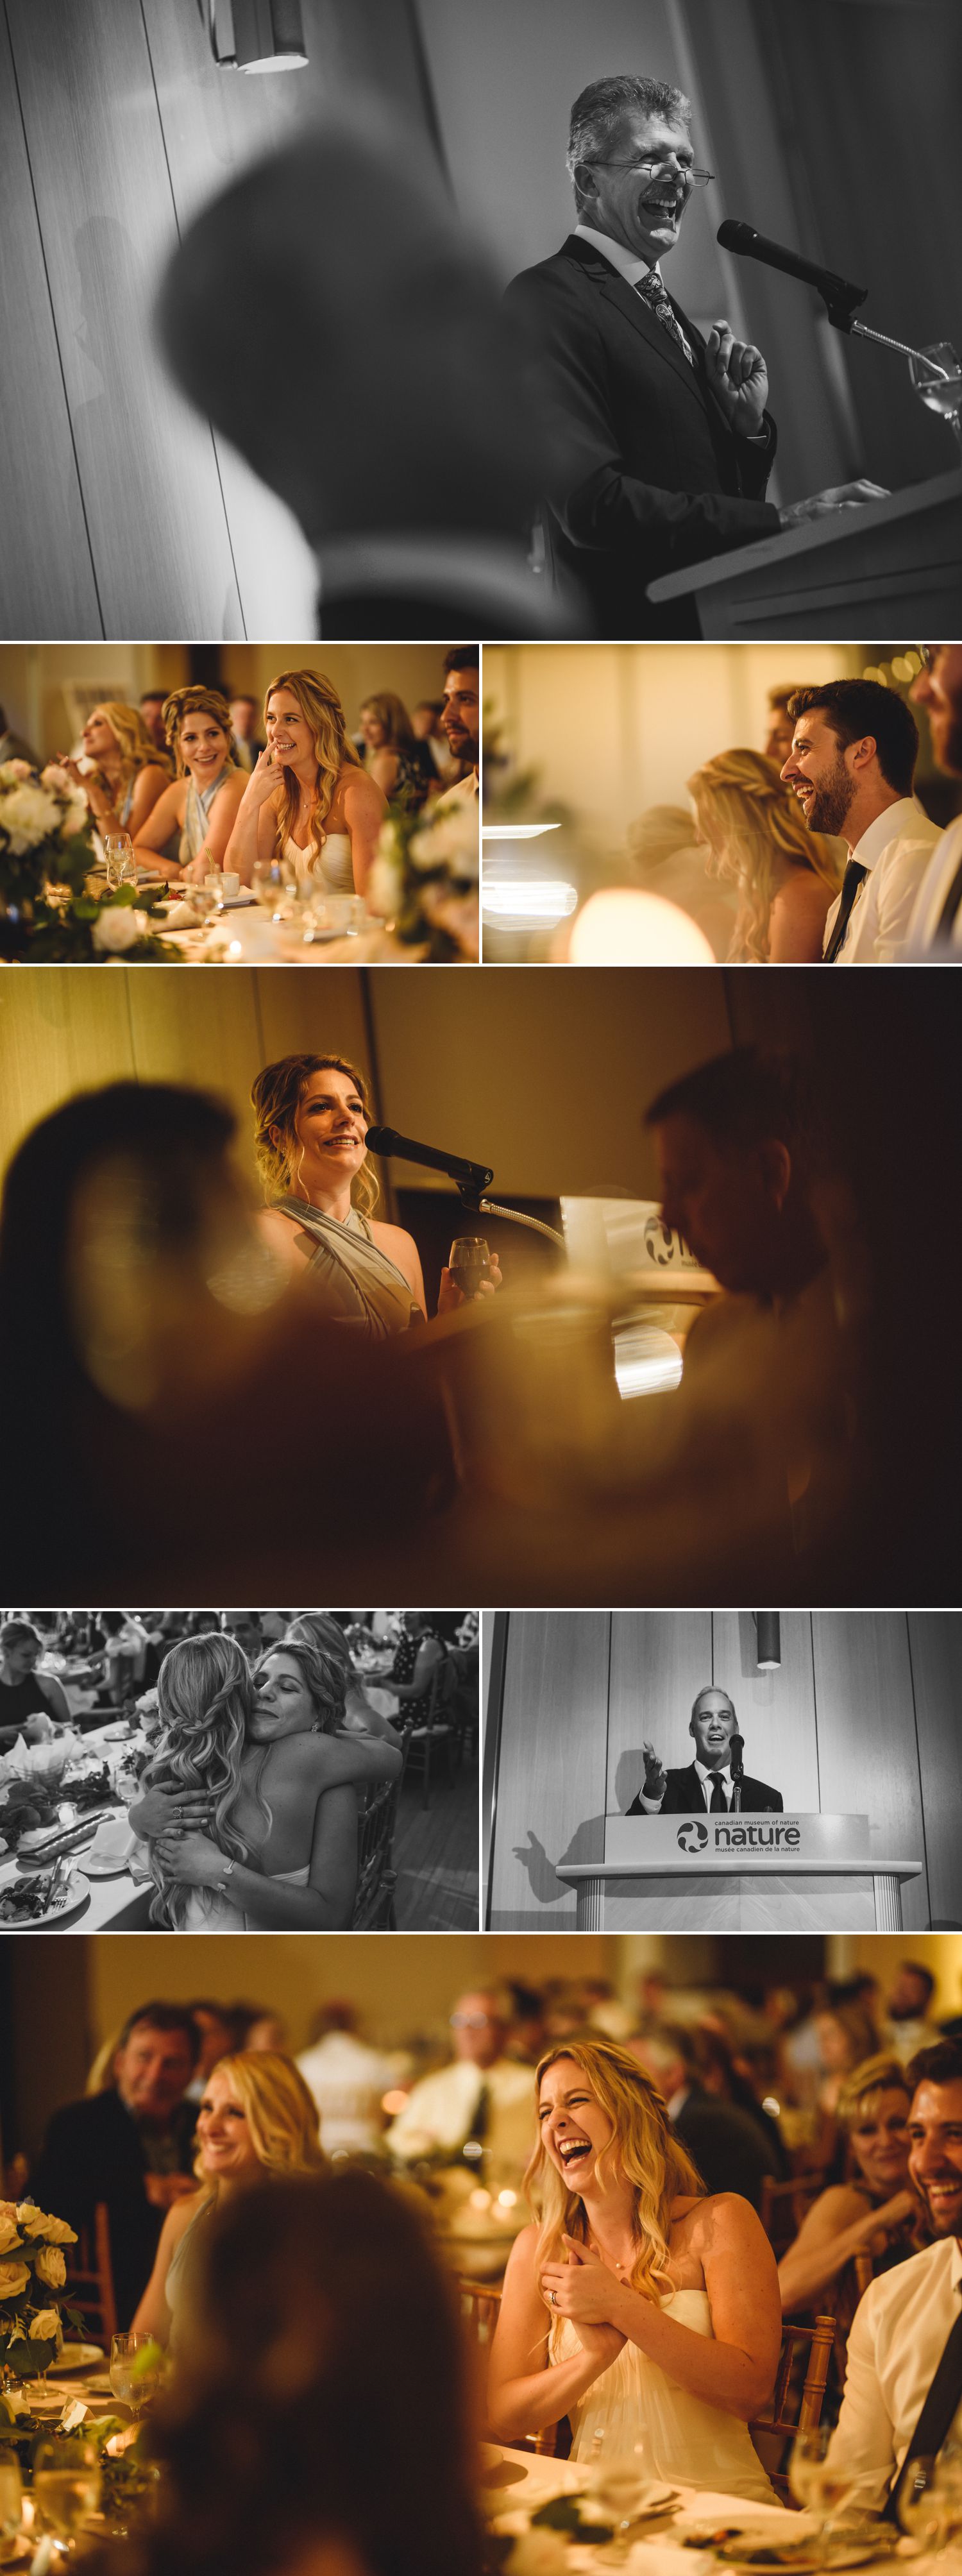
806,2558
77,2356
73,1894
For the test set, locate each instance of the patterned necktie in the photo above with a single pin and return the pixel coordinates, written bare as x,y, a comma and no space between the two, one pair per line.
719,1802
652,292
854,876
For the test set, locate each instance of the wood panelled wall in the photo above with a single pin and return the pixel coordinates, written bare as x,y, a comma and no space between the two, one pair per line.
865,1714
123,516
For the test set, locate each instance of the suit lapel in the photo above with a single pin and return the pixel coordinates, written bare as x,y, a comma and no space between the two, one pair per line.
699,1801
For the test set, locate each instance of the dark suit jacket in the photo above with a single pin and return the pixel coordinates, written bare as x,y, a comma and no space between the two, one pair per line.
730,2150
651,476
684,1796
92,2151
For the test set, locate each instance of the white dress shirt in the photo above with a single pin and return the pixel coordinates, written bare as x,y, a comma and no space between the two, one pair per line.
943,867
440,2112
628,266
896,850
652,1806
899,2332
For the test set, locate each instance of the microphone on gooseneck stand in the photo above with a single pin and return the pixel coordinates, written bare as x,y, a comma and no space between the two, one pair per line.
472,1178
838,294
737,1745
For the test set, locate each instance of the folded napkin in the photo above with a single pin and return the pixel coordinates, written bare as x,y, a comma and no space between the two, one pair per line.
114,1841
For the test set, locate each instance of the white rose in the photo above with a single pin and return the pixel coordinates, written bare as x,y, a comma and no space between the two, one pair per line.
45,2326
16,769
54,776
8,2230
13,2278
55,2231
28,816
50,2267
118,928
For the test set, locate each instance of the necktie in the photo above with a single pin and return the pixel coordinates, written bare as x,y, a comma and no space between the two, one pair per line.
938,2411
652,292
479,2126
946,920
854,876
719,1802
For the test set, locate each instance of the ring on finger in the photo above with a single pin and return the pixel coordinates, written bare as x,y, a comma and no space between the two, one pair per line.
554,2298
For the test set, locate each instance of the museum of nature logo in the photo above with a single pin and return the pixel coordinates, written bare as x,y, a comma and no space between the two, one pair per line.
692,1837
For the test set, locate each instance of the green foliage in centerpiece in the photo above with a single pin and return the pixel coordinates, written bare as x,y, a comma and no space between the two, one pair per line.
32,2279
425,879
46,856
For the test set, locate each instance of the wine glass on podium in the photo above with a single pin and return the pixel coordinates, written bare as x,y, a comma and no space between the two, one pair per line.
936,374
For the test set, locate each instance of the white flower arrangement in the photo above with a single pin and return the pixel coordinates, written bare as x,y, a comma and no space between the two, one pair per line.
424,866
30,2243
46,855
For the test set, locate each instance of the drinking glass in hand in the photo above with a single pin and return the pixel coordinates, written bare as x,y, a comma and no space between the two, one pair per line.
119,859
469,1262
936,374
136,2363
66,2484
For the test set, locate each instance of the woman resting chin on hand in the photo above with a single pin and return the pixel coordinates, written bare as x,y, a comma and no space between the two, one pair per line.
638,2304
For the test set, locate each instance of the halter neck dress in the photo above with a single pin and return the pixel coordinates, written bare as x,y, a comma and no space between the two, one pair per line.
635,2403
357,1282
197,815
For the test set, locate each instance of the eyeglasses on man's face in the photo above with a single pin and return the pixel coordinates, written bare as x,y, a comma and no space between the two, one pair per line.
471,2021
657,169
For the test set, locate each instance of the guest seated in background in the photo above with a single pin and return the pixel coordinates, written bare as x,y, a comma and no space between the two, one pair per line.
248,740
847,2033
128,775
319,2421
152,715
873,2210
851,765
892,2410
13,746
481,2095
418,1656
427,727
128,2146
308,802
725,2139
348,2080
778,740
256,2118
399,764
248,1804
21,1697
206,793
908,2009
311,1118
323,1634
786,877
635,2304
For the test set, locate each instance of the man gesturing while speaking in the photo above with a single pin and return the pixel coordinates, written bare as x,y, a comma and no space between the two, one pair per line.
706,1785
664,442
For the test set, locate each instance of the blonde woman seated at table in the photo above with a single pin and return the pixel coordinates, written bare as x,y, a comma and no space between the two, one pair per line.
311,1117
786,876
256,2120
309,802
249,1806
637,2304
202,803
129,774
874,2210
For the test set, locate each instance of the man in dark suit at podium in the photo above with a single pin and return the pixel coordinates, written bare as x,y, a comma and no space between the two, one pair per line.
665,441
706,1786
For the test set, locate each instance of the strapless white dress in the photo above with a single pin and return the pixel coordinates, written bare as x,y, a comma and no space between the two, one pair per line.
332,867
684,2440
210,1911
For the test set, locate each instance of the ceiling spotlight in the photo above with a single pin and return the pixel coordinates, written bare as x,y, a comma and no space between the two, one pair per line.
768,1633
257,35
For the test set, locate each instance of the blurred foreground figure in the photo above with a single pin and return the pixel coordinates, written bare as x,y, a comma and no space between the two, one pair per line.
406,441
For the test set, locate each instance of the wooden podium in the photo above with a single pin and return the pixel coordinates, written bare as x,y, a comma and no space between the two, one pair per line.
890,568
739,1873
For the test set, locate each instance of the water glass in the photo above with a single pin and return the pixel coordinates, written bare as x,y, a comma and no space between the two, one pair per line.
136,2365
66,2485
618,2485
119,859
936,374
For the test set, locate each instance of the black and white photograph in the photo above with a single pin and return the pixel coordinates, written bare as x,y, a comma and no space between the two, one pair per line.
238,1771
755,1770
404,317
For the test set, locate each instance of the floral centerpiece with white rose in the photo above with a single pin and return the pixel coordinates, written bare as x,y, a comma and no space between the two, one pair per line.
46,855
33,2276
424,880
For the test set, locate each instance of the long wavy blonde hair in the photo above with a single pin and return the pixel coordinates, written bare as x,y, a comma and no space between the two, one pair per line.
754,829
205,1696
643,2149
136,746
322,710
196,701
392,713
281,2114
276,1096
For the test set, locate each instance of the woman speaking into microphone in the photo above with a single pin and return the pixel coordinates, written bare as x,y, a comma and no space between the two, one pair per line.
311,1117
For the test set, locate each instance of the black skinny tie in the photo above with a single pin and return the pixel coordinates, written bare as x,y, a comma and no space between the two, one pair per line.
854,876
939,2409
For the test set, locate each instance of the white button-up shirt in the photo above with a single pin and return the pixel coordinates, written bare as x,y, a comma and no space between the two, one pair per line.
652,1806
896,850
900,2329
943,867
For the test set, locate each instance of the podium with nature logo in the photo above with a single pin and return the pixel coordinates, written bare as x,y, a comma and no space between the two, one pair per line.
740,1872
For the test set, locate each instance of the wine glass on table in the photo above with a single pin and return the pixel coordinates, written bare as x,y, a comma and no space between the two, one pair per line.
119,859
930,2501
618,2485
469,1261
821,2485
136,2369
66,2485
11,2498
936,373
